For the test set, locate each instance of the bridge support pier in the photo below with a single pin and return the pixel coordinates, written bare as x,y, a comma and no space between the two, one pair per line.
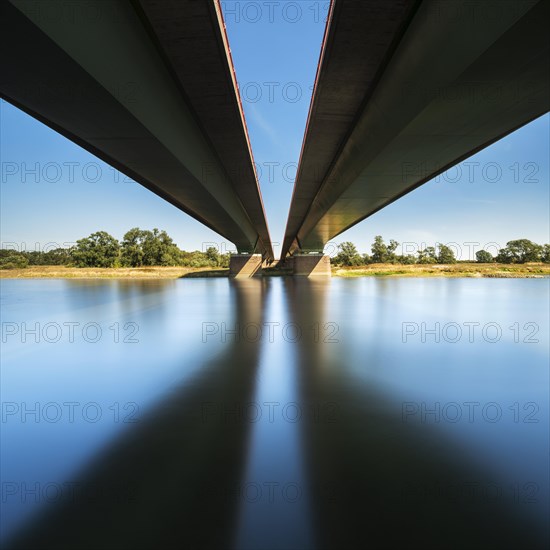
308,265
245,265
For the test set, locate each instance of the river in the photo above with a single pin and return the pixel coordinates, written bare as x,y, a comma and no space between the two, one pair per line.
275,413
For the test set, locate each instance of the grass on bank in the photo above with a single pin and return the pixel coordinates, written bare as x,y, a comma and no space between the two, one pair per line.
64,272
465,269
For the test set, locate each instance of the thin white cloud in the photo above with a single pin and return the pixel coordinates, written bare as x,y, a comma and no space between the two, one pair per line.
257,118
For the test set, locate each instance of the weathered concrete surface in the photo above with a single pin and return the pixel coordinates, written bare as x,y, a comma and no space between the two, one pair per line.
245,265
308,265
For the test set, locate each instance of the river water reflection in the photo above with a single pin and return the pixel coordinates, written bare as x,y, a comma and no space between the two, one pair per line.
275,413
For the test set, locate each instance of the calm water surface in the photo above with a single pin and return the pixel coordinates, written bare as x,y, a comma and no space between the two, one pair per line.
275,413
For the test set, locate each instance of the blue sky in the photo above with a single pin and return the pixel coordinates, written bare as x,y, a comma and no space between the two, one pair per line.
503,194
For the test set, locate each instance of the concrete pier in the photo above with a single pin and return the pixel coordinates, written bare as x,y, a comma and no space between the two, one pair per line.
308,265
245,265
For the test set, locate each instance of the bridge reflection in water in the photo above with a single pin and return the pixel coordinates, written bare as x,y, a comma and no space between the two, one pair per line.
279,442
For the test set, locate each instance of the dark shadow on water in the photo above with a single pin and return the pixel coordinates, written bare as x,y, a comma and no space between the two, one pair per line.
169,481
277,270
206,274
377,483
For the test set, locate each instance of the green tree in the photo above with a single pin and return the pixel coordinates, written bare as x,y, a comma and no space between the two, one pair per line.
383,253
11,259
224,260
159,249
545,254
503,256
391,248
195,259
98,250
406,259
427,255
152,248
379,250
484,257
445,255
57,256
212,256
519,252
132,247
347,255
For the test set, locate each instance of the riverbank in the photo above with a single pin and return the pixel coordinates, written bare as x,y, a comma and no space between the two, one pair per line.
63,272
472,269
466,269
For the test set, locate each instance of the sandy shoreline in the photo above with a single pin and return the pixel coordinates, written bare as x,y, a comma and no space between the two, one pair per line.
531,270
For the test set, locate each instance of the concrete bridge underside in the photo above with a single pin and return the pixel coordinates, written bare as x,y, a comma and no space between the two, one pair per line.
149,87
406,89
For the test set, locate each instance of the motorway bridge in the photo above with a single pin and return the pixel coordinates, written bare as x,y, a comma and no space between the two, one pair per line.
149,87
404,90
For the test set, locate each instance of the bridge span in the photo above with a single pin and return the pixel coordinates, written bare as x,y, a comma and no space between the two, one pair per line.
406,89
149,87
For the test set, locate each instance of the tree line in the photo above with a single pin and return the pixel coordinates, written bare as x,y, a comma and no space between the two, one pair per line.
519,251
138,248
